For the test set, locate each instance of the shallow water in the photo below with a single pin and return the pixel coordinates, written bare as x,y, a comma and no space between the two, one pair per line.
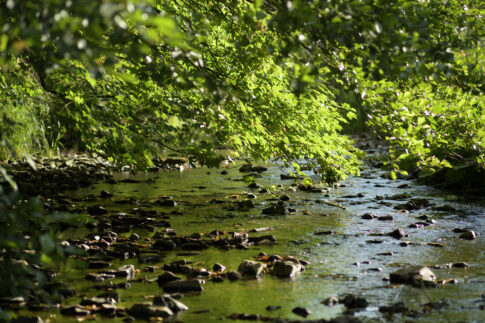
331,271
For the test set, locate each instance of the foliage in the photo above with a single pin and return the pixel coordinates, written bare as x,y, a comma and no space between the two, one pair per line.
270,79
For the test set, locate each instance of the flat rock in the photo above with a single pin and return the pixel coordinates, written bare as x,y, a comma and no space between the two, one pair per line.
170,302
183,286
166,277
417,276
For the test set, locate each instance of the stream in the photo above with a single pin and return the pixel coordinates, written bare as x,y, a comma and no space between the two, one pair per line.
346,253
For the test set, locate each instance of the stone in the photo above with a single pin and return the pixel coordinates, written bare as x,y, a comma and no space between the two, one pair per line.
286,269
97,210
126,271
105,194
89,301
413,204
257,240
345,319
170,302
146,310
331,301
28,319
301,311
164,245
98,264
397,234
273,307
183,286
234,275
251,268
369,216
275,209
166,277
417,276
352,301
254,185
387,217
166,202
75,310
468,235
218,268
245,205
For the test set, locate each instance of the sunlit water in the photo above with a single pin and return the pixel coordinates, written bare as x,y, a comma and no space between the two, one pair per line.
331,271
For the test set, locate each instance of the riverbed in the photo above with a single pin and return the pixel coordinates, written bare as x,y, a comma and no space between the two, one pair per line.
344,251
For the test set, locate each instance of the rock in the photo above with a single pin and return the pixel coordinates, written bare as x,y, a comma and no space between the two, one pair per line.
218,268
145,311
90,301
127,271
254,185
134,237
413,204
245,205
275,209
244,317
234,275
98,264
301,311
257,240
164,245
114,296
387,217
468,235
166,277
246,168
460,265
331,301
345,319
273,307
352,301
183,286
107,309
75,310
166,202
97,210
28,319
369,216
286,269
394,308
417,276
284,198
168,301
251,196
251,268
397,234
105,194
